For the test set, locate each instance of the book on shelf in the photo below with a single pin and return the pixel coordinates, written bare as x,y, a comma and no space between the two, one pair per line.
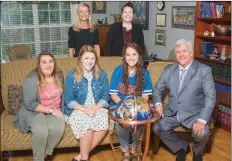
228,74
223,93
211,10
205,10
224,115
220,72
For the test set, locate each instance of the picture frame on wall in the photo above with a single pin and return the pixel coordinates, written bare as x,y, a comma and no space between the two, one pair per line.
141,15
160,19
183,17
160,37
99,7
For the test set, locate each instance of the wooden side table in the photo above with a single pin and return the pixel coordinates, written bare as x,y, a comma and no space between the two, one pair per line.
148,123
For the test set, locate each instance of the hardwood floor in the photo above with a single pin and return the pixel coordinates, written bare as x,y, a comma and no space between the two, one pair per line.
221,150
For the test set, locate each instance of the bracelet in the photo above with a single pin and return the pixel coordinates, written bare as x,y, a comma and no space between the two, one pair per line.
51,111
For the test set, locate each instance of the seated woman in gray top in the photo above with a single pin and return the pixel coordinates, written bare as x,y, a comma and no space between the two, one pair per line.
41,112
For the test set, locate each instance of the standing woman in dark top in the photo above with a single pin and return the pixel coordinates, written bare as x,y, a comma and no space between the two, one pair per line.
83,32
123,33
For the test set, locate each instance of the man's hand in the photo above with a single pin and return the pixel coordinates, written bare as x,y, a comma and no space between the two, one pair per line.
160,110
198,127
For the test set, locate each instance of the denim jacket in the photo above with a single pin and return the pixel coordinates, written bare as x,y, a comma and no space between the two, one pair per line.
76,92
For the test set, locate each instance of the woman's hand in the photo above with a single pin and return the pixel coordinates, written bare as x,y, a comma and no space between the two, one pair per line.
89,111
98,107
58,114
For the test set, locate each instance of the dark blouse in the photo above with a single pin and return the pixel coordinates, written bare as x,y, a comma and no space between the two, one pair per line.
127,36
77,39
115,39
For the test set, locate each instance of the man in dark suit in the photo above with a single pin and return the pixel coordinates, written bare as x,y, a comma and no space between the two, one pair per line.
191,100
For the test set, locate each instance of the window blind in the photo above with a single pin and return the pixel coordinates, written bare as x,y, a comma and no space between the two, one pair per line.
42,26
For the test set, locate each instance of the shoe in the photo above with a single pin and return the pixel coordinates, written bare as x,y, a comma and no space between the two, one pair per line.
126,156
181,156
78,160
197,157
48,158
74,159
125,153
135,153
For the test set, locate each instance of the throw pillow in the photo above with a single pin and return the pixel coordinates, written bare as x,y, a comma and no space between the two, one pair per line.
15,97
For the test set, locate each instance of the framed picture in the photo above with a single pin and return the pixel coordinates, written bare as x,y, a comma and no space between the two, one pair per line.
160,37
160,20
220,10
141,13
183,17
98,7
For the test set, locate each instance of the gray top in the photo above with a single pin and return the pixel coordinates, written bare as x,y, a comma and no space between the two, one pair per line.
31,100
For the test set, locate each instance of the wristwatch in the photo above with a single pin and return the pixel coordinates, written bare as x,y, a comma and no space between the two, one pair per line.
51,111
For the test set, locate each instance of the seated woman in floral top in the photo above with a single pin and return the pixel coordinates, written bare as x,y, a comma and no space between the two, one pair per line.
86,93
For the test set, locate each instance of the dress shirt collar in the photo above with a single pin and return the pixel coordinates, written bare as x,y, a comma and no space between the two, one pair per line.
186,68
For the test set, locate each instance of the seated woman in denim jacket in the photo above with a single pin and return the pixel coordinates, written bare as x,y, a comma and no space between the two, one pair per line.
86,94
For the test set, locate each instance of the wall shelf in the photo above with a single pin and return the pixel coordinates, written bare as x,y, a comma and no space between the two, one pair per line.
221,71
213,61
224,20
226,39
222,82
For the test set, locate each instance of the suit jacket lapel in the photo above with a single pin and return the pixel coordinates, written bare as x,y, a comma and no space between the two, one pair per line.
175,82
121,34
190,73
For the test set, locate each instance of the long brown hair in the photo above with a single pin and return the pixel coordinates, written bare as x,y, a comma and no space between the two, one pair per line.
76,26
140,81
41,78
79,70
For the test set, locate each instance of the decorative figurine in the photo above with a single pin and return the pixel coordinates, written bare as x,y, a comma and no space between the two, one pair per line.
216,51
206,33
106,21
223,55
212,34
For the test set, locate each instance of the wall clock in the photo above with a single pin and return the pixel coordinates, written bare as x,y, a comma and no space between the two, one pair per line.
160,5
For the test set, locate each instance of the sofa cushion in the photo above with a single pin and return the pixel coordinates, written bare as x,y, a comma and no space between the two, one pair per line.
12,139
15,97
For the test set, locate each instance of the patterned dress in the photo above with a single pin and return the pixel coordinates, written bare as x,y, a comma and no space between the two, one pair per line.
80,122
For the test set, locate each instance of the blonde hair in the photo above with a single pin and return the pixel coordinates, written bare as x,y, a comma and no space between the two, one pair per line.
56,73
79,70
76,26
